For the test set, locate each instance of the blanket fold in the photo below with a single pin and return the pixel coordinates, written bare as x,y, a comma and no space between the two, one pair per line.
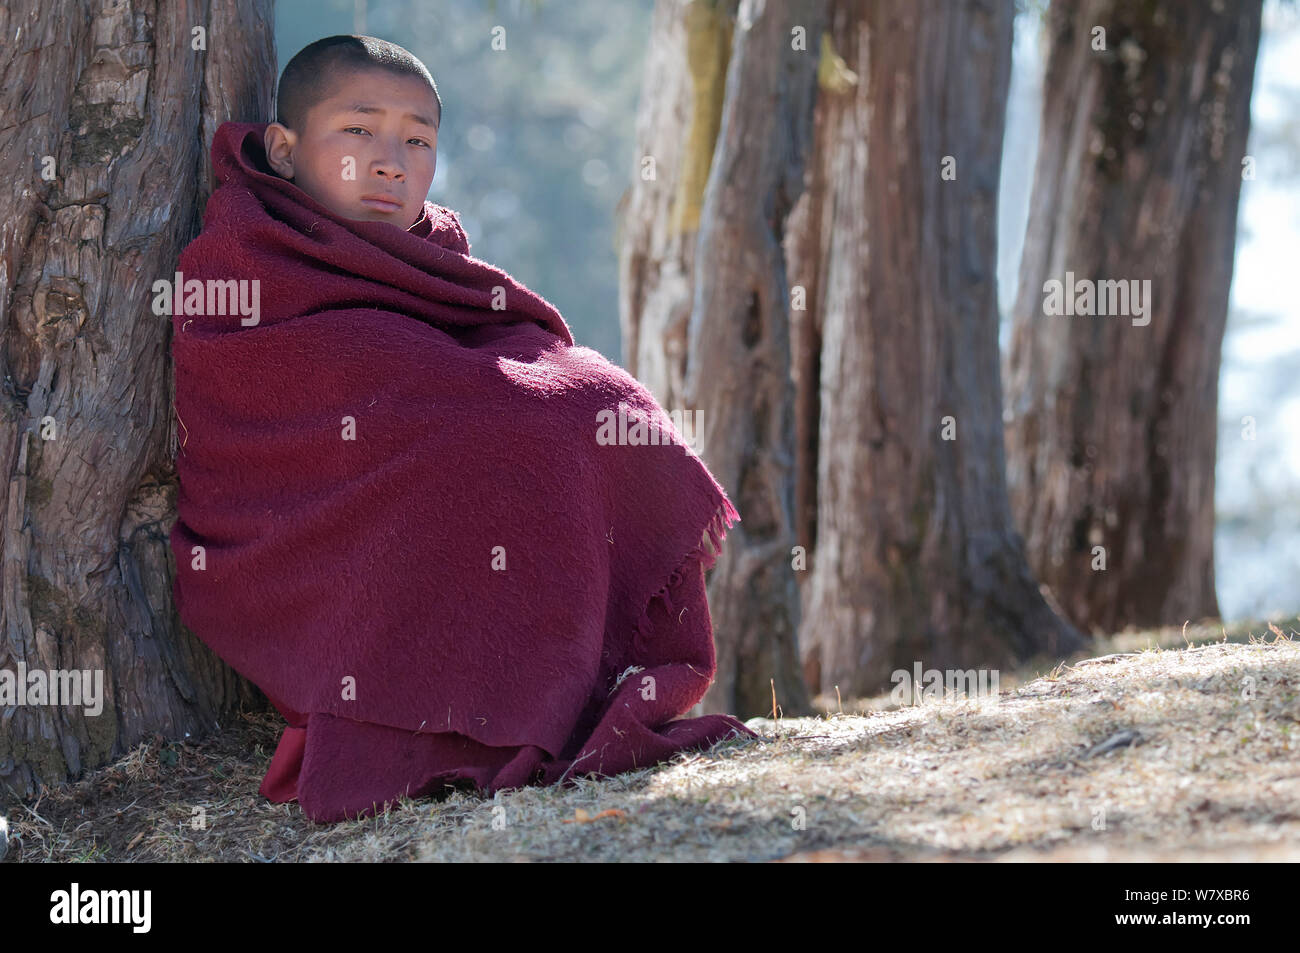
401,517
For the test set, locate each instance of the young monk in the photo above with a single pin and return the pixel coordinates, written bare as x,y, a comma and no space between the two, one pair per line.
400,512
357,129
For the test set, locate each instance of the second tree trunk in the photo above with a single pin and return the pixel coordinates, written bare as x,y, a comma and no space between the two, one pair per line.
1113,416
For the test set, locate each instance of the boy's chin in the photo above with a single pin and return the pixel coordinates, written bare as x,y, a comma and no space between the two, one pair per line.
397,218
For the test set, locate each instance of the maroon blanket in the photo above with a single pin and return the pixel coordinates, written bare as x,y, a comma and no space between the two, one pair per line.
399,515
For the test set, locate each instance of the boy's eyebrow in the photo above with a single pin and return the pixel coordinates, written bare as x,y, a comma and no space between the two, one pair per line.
364,108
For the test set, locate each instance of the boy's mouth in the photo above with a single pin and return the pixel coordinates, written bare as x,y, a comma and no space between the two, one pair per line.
384,202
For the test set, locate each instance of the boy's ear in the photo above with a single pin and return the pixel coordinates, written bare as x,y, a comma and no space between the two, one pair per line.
279,142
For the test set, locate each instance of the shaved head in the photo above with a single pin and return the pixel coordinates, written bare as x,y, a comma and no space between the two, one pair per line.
316,70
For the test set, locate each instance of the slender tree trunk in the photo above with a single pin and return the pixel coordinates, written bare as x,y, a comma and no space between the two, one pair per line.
1112,419
683,84
687,81
677,125
108,109
915,559
738,349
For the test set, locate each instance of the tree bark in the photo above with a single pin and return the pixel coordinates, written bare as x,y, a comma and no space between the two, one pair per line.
1112,419
738,350
687,80
915,556
677,126
123,105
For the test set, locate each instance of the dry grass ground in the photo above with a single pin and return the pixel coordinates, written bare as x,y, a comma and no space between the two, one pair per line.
1175,746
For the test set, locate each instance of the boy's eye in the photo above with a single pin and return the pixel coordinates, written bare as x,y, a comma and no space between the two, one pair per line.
359,129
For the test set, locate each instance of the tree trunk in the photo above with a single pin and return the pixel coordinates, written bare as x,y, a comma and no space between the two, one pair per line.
916,559
677,126
1112,419
663,247
108,109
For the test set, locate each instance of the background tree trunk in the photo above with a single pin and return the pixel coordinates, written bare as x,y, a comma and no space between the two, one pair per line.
677,126
124,105
916,558
733,328
1112,426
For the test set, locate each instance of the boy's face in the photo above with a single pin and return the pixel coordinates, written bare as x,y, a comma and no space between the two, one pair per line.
374,136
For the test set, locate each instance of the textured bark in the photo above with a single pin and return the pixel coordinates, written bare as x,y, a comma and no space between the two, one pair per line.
807,242
738,349
1112,425
915,558
125,106
687,83
658,217
677,127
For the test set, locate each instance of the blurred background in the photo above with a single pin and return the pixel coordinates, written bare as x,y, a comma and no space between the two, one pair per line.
537,148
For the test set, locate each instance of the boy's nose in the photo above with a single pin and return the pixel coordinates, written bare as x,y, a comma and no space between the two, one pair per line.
391,171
